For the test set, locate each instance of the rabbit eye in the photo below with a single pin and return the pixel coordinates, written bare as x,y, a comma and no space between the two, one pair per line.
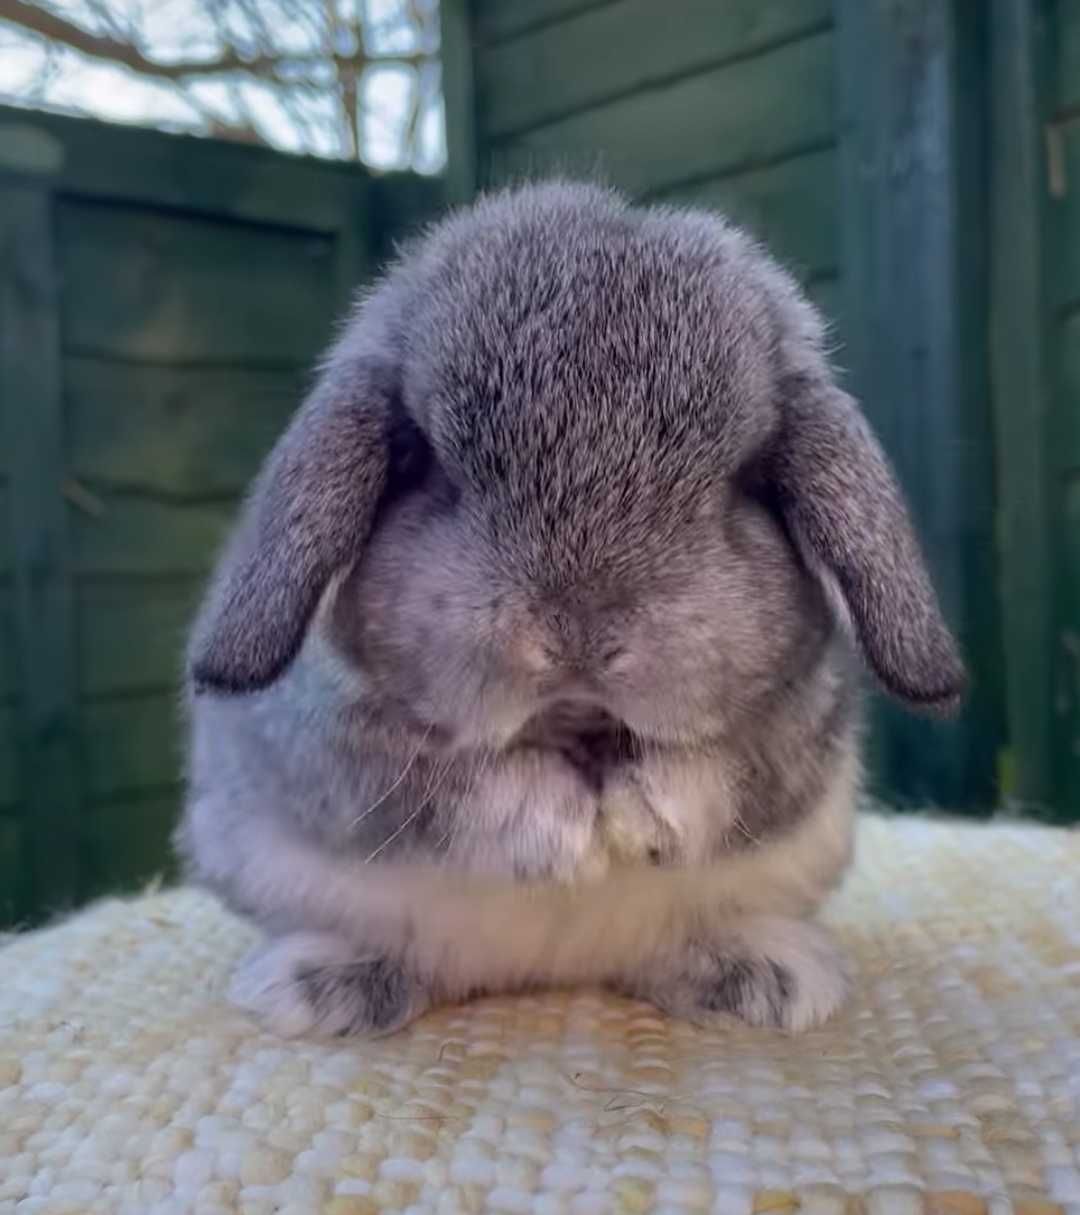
411,456
414,466
753,481
617,660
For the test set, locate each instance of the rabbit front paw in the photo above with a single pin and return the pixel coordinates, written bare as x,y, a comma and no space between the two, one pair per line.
317,983
631,831
769,971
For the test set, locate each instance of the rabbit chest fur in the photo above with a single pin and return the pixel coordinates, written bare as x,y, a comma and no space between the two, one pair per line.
533,656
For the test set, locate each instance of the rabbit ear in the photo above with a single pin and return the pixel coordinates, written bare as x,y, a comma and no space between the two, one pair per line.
309,514
845,510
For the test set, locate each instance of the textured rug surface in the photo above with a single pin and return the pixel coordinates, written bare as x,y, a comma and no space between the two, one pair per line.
950,1086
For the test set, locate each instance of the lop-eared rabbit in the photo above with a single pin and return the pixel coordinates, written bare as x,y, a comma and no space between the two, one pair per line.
533,657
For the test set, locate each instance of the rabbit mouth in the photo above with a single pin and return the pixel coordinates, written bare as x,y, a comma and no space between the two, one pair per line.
585,735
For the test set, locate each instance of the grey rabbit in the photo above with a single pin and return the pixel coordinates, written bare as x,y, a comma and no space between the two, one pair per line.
533,657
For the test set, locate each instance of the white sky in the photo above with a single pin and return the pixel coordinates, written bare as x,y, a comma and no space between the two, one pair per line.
180,29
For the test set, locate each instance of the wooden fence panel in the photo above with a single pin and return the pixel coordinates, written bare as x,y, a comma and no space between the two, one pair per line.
162,303
43,779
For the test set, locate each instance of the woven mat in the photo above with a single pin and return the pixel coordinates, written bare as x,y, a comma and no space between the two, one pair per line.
951,1085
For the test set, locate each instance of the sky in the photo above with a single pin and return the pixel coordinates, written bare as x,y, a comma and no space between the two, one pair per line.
170,29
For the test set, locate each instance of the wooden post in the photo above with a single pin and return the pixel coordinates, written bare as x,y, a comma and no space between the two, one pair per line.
31,415
912,99
1018,338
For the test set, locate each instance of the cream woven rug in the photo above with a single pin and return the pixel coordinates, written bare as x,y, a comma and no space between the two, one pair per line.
952,1085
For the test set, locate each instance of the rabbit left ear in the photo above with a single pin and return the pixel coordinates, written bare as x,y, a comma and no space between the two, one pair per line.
845,510
309,514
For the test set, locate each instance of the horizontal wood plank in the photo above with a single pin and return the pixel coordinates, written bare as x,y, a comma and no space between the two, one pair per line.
135,534
131,635
496,19
745,114
184,289
130,745
792,207
182,430
9,774
102,159
625,47
128,844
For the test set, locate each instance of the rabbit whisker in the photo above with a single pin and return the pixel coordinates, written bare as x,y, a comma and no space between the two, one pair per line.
741,827
396,783
481,763
421,807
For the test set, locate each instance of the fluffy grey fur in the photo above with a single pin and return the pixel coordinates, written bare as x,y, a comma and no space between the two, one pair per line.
529,660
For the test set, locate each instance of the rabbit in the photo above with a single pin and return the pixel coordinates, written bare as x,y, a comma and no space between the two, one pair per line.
534,657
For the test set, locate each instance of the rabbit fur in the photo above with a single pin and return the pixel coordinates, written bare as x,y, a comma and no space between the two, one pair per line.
532,658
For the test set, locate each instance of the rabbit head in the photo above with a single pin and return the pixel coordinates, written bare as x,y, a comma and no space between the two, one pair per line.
569,450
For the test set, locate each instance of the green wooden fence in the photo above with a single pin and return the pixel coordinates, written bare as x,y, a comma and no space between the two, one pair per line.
162,300
916,162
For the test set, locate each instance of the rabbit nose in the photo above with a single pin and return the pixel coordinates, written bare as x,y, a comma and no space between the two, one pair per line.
569,650
570,634
535,655
545,656
558,642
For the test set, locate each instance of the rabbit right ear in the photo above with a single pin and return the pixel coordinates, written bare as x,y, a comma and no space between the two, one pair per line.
309,514
845,510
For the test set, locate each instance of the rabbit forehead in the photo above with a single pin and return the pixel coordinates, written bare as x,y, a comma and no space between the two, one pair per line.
557,324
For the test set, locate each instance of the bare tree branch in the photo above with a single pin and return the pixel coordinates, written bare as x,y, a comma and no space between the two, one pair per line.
35,20
311,57
102,46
